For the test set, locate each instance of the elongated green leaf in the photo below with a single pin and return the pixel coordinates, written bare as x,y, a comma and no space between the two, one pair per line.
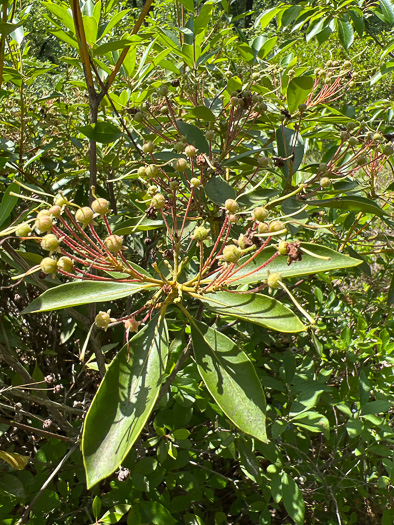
203,113
218,190
231,379
306,266
388,11
124,401
82,292
293,500
103,132
290,144
62,14
8,202
111,46
266,16
345,33
298,91
352,203
254,308
6,28
112,23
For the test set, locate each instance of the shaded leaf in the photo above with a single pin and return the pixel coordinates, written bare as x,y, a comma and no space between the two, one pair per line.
353,203
230,378
124,401
8,202
218,190
103,132
194,136
293,500
290,143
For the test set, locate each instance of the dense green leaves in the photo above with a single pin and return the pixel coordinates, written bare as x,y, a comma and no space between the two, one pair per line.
230,378
103,132
82,292
218,190
124,401
293,500
290,149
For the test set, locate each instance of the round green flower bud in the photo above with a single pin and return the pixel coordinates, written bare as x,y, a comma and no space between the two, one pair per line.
200,233
195,183
347,64
163,91
241,241
152,190
100,206
350,126
276,226
66,264
43,223
260,214
272,280
84,215
231,206
210,134
377,137
48,265
180,165
151,171
142,172
361,161
388,150
283,248
139,116
231,253
173,185
353,141
302,108
23,230
344,135
60,201
103,319
325,182
148,147
164,110
262,107
179,147
55,211
158,201
263,227
190,151
235,101
255,75
323,167
50,243
114,243
263,161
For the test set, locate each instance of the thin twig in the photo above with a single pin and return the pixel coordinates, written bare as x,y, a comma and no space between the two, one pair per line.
25,515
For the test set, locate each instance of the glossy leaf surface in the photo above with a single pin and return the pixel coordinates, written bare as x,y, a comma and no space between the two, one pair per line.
230,378
82,292
124,401
254,308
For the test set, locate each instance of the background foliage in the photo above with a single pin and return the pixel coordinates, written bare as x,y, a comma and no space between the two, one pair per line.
329,389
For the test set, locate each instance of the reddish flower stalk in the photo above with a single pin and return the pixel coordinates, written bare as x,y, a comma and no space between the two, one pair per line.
255,270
